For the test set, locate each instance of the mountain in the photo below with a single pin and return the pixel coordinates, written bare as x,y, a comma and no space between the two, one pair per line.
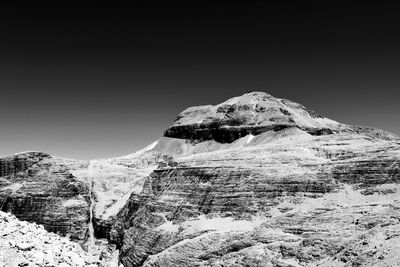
253,181
252,113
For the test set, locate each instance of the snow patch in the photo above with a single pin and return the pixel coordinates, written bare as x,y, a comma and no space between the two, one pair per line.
168,226
251,137
347,197
13,187
141,151
74,202
219,224
149,147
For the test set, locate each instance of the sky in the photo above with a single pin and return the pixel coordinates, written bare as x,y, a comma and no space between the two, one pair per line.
97,81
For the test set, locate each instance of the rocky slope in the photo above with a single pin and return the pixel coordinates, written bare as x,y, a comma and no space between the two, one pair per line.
26,244
254,181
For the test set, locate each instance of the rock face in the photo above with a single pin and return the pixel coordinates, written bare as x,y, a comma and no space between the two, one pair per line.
39,188
252,113
113,181
61,194
254,181
279,196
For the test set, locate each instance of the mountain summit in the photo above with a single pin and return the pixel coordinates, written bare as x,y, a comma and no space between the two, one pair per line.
252,113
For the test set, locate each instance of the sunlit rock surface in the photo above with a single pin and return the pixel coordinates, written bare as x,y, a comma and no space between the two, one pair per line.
281,197
40,188
252,113
61,194
254,181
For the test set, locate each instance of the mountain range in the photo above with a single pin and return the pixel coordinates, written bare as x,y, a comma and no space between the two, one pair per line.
253,181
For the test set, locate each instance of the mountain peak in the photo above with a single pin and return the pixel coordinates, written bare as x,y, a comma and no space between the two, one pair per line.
250,113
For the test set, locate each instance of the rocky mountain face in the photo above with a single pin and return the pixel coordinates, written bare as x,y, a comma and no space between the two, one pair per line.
40,188
254,181
253,113
73,198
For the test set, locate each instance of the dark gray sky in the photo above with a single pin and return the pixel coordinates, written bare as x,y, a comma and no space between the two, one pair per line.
93,82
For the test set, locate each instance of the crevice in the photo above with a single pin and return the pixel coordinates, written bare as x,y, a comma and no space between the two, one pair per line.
91,239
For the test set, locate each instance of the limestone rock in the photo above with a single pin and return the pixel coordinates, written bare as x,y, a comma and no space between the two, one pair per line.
27,244
292,191
253,113
253,181
40,188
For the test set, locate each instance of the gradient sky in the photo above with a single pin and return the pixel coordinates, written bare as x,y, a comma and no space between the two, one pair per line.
96,81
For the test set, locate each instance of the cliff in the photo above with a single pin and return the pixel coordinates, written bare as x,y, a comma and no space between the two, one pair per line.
40,188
